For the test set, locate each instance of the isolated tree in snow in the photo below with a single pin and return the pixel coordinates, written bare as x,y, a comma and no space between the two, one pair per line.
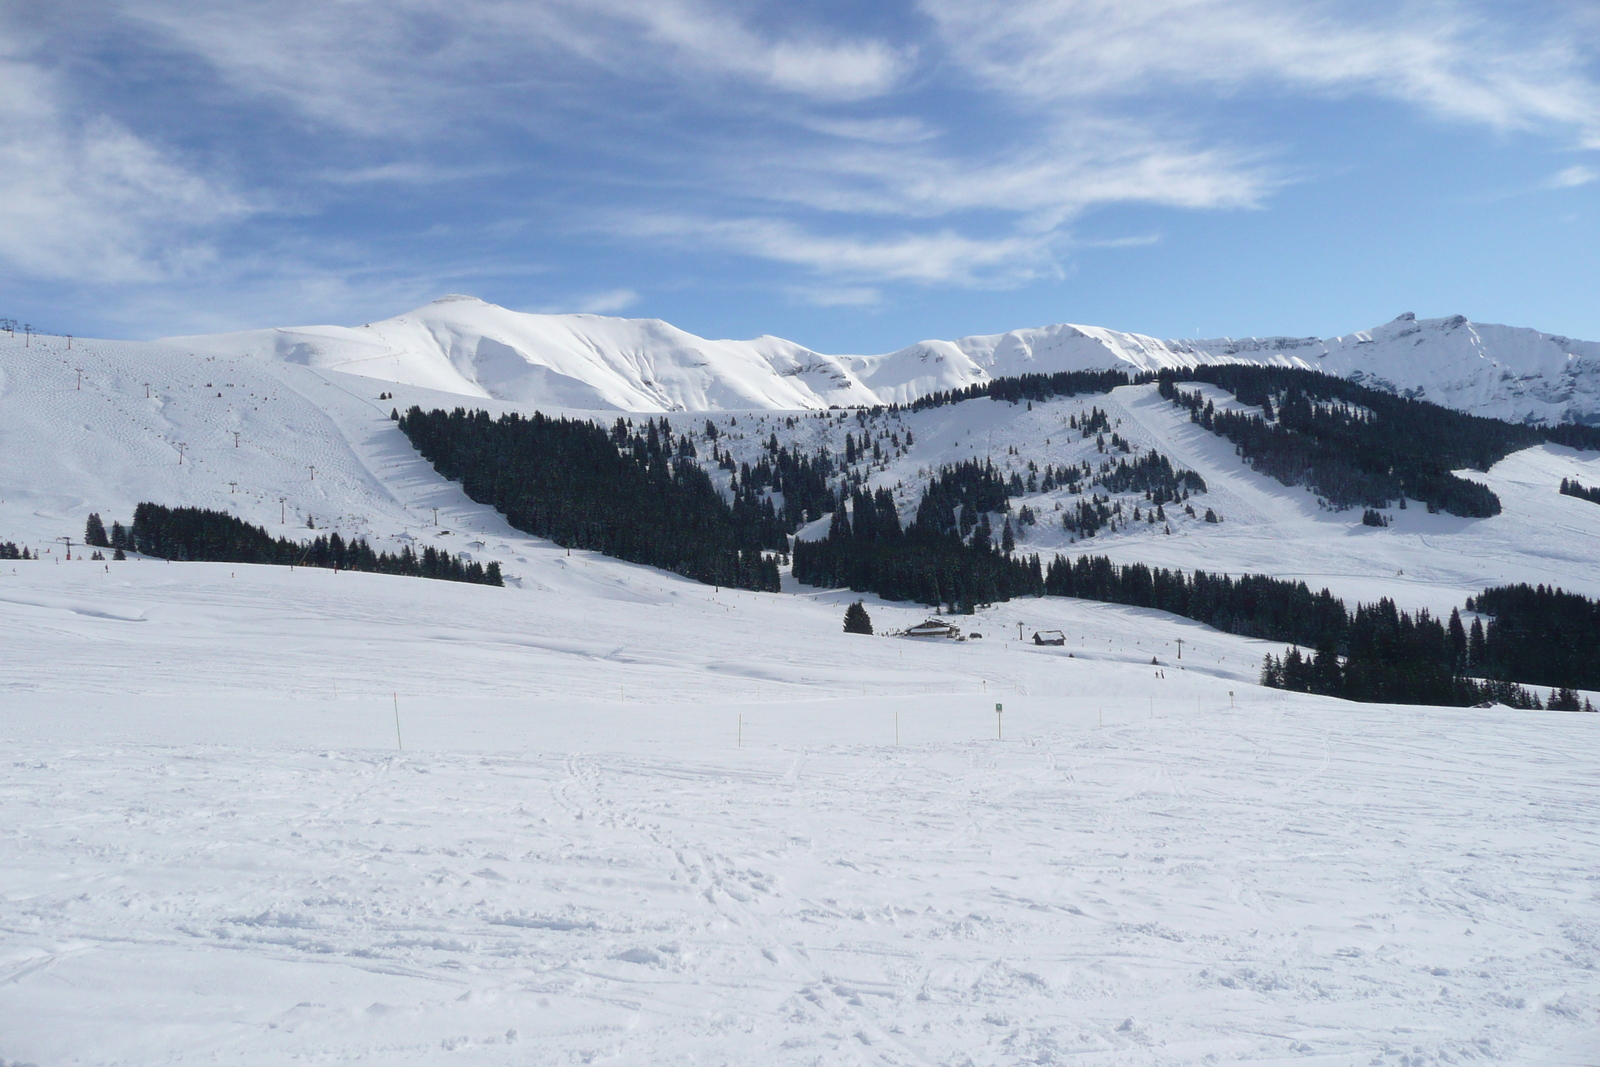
856,619
94,532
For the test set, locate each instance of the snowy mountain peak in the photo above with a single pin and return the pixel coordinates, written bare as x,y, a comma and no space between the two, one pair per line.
465,345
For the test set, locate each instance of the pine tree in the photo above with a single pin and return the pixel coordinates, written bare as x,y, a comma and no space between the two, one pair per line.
1458,643
94,532
1008,541
856,619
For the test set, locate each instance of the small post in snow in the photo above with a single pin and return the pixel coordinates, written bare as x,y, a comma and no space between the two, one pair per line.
999,733
398,743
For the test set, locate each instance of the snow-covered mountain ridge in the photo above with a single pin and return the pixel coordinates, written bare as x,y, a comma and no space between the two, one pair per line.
463,345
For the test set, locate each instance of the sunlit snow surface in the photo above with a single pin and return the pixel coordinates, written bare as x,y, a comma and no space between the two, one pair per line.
637,820
463,345
214,849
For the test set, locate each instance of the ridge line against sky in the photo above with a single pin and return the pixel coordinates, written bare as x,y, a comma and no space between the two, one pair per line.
846,179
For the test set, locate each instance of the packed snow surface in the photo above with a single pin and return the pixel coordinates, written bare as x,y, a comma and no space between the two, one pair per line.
460,344
258,815
635,820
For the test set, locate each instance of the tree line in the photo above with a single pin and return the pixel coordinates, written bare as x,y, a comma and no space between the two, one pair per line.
1374,654
1537,634
922,564
1026,387
1357,446
200,534
626,493
1575,488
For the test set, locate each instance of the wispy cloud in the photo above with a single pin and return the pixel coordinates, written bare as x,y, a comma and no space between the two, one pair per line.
951,143
411,172
832,296
610,301
1454,58
942,257
400,68
83,198
1572,177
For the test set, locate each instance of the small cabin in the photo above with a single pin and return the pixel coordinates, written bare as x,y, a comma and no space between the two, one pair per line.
1049,637
934,628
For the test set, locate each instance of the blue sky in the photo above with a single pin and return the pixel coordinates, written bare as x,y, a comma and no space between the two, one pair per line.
854,177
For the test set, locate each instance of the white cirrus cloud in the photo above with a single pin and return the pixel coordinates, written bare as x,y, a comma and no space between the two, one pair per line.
608,302
940,257
83,198
1454,58
1572,177
832,296
405,68
961,152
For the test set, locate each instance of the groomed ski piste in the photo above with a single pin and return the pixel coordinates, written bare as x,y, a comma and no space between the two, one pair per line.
606,815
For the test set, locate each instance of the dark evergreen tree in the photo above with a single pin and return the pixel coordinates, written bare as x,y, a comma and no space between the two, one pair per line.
216,536
94,532
1028,387
1357,446
856,619
1538,634
1582,492
623,493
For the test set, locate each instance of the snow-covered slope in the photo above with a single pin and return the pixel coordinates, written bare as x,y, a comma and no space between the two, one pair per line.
640,820
462,345
1502,372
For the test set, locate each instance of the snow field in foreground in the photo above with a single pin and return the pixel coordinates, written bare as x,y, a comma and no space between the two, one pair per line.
211,853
